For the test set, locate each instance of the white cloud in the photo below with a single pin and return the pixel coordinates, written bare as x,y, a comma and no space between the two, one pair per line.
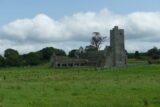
141,29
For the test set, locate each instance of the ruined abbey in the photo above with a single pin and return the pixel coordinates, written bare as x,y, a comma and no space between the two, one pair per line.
112,56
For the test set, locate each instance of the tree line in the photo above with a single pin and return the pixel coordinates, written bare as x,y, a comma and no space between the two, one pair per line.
14,59
153,53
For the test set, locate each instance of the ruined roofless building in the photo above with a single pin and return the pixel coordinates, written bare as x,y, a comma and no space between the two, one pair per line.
113,56
116,53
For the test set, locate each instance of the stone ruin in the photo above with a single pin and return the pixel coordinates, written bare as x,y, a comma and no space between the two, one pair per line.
116,53
112,56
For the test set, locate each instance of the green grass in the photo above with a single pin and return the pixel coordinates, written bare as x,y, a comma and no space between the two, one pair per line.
133,86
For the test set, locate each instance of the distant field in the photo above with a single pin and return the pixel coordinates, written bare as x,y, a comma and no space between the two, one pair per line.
137,85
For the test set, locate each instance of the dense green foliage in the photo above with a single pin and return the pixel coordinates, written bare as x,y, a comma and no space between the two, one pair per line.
72,53
154,53
32,58
134,86
13,58
48,51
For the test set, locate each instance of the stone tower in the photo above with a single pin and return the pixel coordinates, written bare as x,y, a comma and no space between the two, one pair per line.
116,54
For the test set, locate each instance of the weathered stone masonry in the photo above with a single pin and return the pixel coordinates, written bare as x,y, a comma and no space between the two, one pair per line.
116,53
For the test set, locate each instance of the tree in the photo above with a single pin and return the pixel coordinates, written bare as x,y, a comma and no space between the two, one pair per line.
32,58
97,40
153,53
136,55
48,51
72,53
12,57
60,52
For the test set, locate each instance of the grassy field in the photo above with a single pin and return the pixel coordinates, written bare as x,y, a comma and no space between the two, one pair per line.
137,85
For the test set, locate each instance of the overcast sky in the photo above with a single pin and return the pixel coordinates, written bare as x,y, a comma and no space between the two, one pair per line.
30,25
